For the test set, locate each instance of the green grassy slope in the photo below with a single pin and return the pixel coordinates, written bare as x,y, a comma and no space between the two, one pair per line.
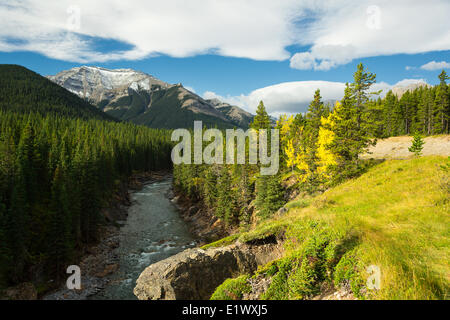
23,90
396,216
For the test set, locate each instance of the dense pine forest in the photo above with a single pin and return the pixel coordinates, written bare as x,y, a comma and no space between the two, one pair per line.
59,164
56,173
22,90
318,149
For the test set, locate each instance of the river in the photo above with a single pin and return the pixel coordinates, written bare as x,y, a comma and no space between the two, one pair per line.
153,231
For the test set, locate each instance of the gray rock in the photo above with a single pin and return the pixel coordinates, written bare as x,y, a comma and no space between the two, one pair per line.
281,211
196,273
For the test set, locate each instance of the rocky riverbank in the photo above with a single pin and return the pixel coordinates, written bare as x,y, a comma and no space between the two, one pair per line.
100,260
203,224
196,273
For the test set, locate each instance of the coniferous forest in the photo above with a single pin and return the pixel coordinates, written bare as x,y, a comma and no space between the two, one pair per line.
58,166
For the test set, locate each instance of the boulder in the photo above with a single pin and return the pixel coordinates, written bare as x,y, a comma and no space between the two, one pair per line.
196,273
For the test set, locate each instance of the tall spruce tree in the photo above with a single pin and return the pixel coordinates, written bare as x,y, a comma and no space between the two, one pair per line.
316,111
362,81
261,119
352,133
442,106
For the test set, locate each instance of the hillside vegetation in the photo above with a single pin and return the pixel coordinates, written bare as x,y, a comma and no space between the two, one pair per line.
56,174
395,216
22,90
321,149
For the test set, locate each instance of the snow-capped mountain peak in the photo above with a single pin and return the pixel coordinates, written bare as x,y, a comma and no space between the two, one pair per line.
139,97
94,82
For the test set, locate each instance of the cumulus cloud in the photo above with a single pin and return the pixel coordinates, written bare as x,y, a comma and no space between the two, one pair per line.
434,65
295,97
287,97
348,30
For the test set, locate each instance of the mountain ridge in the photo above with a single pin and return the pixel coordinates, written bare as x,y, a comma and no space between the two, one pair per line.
141,98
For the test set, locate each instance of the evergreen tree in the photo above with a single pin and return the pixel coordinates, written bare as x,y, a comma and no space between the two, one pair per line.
225,207
261,119
351,137
362,81
315,112
210,188
442,106
417,144
41,157
269,196
60,244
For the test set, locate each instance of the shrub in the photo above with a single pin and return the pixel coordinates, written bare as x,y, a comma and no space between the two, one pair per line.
232,289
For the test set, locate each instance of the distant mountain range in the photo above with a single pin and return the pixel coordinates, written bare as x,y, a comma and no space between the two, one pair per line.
135,96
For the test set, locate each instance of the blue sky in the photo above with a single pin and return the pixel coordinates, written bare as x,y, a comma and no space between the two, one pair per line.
234,76
239,51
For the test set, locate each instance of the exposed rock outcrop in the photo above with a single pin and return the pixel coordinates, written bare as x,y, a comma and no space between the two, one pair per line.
203,223
400,90
196,273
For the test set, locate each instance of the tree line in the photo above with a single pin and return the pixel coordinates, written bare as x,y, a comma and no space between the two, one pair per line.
425,110
318,149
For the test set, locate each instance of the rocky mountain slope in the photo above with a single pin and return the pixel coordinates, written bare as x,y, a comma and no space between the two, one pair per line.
399,90
141,98
235,114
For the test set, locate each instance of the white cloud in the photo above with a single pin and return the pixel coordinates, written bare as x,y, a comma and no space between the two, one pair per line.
348,30
256,29
295,97
336,31
433,65
407,82
287,97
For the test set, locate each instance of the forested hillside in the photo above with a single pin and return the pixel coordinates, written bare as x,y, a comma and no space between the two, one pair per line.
56,173
22,90
318,150
334,213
